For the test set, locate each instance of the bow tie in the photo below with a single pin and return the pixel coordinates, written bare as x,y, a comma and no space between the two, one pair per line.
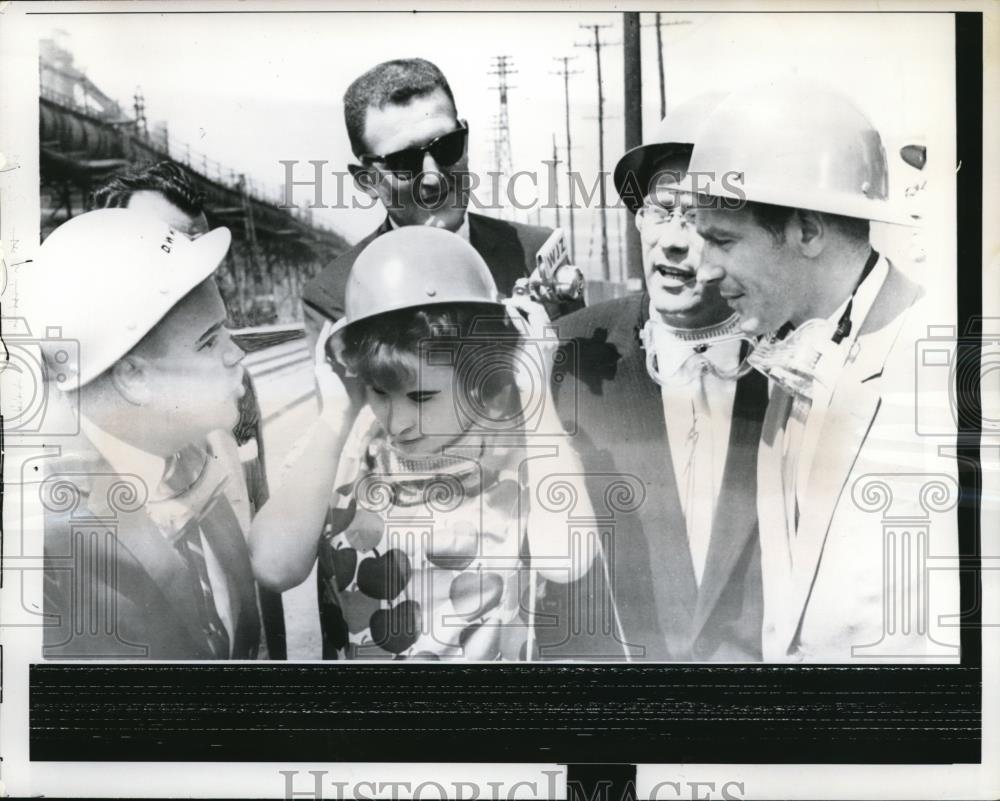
793,357
193,480
675,357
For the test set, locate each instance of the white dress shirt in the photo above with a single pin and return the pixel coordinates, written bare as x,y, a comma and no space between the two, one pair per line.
130,460
805,423
693,418
463,231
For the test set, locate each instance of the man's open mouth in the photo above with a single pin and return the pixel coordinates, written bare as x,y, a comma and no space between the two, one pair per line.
675,272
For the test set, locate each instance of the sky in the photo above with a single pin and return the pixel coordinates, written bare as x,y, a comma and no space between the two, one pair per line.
252,90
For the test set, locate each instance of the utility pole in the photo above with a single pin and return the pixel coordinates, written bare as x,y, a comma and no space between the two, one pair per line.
596,47
555,169
659,57
659,61
496,190
632,260
565,72
502,68
623,268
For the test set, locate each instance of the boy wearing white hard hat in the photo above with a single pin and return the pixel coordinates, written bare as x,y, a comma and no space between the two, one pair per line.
412,490
169,576
788,175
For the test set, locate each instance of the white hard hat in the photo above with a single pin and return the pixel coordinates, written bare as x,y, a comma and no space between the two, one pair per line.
674,135
798,144
415,266
107,277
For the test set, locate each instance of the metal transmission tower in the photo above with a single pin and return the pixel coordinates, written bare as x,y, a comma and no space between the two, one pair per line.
139,107
658,24
565,72
495,139
502,157
596,47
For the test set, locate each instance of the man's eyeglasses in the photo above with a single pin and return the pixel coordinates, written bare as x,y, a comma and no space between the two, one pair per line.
407,163
651,218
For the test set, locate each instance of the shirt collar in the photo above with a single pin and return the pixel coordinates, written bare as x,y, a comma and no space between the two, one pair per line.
123,457
672,347
864,297
463,230
805,361
672,354
709,334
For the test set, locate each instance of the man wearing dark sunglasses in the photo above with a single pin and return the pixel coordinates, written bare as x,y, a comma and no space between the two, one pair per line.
410,169
412,152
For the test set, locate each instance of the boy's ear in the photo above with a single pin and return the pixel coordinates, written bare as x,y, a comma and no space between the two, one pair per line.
130,376
364,179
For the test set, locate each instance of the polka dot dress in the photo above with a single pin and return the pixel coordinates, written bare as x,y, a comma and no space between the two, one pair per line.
423,559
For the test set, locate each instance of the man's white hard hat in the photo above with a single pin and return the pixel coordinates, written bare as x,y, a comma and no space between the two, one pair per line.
794,143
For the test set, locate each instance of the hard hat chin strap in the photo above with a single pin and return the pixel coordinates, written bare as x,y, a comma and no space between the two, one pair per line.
793,356
844,324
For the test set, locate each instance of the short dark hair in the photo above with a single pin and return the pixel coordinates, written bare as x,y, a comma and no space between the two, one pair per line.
773,219
481,340
396,82
166,177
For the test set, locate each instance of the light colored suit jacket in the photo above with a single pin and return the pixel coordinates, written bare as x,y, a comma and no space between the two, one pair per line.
856,581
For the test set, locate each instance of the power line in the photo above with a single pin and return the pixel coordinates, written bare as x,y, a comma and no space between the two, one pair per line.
596,47
632,73
555,168
565,72
659,56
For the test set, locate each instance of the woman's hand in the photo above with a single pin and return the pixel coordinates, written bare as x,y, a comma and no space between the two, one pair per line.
341,395
538,341
285,532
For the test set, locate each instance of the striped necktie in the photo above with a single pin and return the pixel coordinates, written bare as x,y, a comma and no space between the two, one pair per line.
191,493
190,547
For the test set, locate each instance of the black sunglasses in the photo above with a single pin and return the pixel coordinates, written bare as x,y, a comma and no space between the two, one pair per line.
446,149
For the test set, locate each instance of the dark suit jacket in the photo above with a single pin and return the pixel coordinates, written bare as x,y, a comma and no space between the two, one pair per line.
251,427
508,248
115,588
605,395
